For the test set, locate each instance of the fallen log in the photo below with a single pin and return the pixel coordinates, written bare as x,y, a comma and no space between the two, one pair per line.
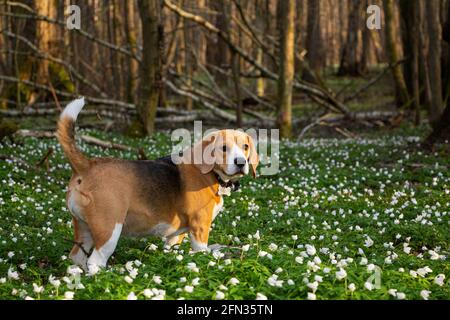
86,138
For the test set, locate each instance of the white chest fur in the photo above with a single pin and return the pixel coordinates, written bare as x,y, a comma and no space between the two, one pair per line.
217,208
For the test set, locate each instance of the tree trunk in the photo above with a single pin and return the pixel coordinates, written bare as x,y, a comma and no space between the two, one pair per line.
150,69
286,66
393,52
441,130
410,12
314,41
434,60
132,65
350,60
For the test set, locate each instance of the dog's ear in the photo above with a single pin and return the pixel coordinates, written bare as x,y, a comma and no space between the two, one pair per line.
253,158
204,155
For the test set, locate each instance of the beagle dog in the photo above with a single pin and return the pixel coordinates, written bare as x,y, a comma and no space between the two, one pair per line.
112,197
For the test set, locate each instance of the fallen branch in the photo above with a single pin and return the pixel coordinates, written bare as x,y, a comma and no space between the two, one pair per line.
373,81
45,158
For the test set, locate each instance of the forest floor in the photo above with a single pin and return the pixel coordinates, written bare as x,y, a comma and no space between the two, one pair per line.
343,219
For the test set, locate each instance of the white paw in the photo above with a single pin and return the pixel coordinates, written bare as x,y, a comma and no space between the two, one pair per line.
80,259
96,260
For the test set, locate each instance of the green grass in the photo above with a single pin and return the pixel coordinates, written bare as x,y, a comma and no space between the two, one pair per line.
331,194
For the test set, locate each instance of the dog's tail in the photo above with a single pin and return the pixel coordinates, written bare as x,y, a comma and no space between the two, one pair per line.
66,136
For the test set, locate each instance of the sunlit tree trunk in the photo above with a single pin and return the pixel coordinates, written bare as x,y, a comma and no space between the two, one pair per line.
286,24
150,69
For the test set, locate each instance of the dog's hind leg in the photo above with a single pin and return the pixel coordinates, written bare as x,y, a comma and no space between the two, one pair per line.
106,235
83,243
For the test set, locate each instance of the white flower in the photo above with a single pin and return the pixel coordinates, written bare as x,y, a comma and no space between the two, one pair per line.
299,259
74,270
246,247
29,298
128,279
413,273
294,237
311,250
273,247
401,296
341,274
196,281
157,279
37,289
368,286
188,289
274,282
393,292
351,287
13,274
439,279
363,261
423,271
193,267
148,293
318,278
2,280
260,296
179,257
68,295
311,296
10,254
234,281
262,253
131,296
220,295
53,281
153,247
217,254
425,294
133,273
433,255
313,286
368,242
211,263
371,267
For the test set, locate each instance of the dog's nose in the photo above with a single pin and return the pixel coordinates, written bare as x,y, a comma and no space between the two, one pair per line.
240,162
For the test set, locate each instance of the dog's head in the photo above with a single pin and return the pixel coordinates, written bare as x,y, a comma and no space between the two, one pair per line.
229,153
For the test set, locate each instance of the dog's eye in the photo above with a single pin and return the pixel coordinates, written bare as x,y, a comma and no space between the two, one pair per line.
224,148
246,147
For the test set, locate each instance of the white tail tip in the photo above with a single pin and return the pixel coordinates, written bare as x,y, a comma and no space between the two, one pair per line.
73,109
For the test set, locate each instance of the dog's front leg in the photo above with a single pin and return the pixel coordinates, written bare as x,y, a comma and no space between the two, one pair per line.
199,227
